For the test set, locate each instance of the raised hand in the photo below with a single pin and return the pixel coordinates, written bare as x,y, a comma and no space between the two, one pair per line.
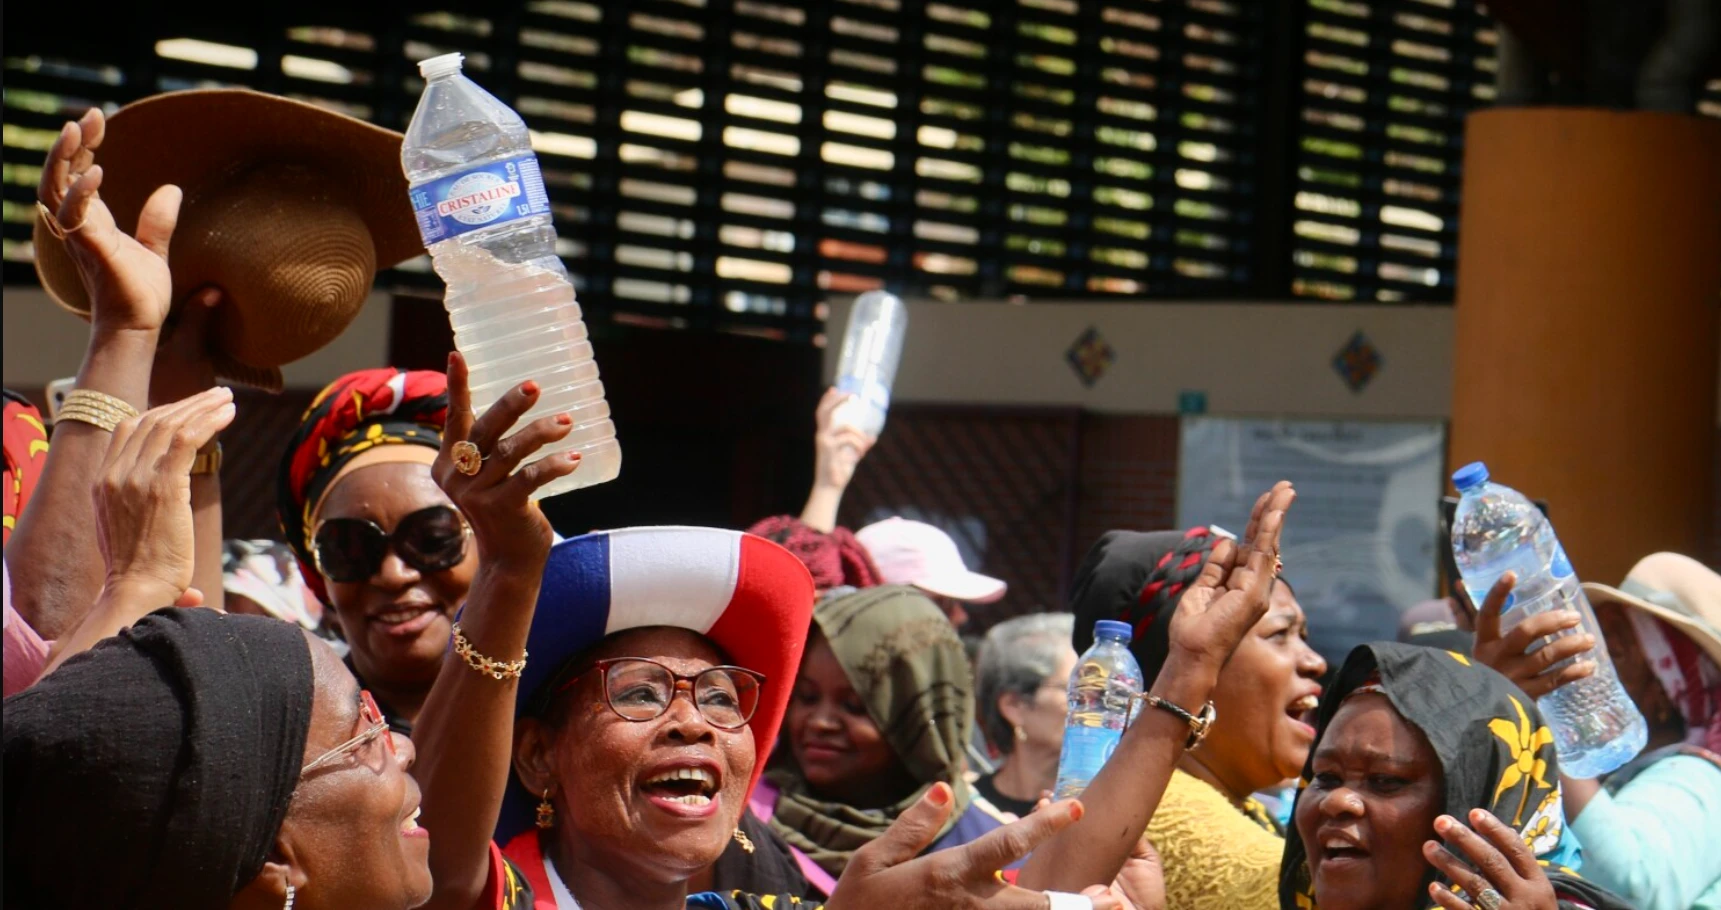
1502,865
1230,595
1510,654
890,872
143,498
126,276
838,448
507,525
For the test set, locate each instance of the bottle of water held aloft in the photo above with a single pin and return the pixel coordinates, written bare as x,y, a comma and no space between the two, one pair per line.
485,219
872,348
1102,692
1495,530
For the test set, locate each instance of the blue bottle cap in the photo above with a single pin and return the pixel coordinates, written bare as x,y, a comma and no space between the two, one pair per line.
1473,474
1113,627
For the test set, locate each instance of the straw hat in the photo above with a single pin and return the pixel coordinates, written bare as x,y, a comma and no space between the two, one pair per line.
288,207
1676,589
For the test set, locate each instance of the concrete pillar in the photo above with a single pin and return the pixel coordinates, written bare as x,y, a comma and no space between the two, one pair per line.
1588,323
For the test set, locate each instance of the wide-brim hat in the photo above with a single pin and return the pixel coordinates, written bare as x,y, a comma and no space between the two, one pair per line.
288,207
1675,589
750,597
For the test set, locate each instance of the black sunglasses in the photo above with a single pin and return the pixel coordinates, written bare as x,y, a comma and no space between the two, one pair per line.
350,550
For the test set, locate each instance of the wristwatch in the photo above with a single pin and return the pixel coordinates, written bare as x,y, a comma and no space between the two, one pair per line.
1199,723
208,461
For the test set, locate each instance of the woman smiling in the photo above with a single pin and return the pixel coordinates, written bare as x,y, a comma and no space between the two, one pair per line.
376,539
560,710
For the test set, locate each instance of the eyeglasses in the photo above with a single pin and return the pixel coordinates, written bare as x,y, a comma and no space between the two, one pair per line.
349,550
375,725
639,690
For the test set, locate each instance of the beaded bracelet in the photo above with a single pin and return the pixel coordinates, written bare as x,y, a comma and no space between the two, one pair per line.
489,666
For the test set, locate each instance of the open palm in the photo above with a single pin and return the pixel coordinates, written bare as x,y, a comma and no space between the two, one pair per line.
1231,594
126,276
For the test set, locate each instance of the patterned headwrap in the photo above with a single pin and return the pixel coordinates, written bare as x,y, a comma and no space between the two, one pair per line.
1692,680
26,453
364,412
836,559
909,668
1138,578
1495,753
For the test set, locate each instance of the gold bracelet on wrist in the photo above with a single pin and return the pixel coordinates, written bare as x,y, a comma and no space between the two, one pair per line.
96,409
489,666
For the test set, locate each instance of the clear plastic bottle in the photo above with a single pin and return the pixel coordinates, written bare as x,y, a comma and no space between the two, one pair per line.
485,219
1596,726
1103,686
872,348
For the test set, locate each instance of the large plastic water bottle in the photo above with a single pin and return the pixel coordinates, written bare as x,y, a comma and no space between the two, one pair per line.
1596,726
1103,686
485,219
872,348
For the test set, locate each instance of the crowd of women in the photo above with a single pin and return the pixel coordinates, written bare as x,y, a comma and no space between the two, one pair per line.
466,711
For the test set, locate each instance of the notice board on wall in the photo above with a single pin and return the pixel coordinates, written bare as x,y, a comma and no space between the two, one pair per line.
1360,543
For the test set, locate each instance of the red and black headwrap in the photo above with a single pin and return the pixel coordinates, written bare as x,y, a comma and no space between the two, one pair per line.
835,559
26,454
1138,577
370,411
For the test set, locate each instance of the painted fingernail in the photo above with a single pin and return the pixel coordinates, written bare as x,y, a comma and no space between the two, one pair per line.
529,387
1077,810
939,795
575,457
564,420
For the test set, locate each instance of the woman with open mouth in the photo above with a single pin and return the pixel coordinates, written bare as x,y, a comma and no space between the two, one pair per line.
609,701
1219,845
1423,758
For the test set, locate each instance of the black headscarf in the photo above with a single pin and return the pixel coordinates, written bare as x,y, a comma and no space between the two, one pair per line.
154,770
1137,577
1493,748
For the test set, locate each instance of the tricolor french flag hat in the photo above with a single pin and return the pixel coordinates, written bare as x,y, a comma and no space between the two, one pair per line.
750,597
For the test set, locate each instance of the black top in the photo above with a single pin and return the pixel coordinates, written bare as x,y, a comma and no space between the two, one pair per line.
988,788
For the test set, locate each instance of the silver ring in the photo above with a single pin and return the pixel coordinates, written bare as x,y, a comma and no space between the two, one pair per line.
1488,899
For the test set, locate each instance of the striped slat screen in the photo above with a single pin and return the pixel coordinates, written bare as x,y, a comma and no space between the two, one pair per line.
1385,86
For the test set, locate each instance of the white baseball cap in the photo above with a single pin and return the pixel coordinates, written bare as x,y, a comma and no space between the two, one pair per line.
916,553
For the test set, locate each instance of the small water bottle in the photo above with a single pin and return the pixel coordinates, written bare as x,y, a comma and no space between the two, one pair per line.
1596,726
872,348
485,218
1103,687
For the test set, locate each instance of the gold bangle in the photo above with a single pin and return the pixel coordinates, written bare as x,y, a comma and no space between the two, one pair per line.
208,461
101,418
489,666
98,399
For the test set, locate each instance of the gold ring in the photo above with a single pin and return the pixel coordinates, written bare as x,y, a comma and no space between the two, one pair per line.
467,459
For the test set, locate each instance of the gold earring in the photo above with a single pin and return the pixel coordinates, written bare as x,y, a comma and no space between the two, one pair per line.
546,812
1021,735
745,841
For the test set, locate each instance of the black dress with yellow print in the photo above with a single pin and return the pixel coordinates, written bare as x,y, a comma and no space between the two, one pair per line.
1494,750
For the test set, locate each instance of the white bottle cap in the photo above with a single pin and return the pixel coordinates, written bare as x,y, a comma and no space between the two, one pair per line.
444,65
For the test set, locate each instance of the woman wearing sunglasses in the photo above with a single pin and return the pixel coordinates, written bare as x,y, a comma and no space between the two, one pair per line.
377,540
609,703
